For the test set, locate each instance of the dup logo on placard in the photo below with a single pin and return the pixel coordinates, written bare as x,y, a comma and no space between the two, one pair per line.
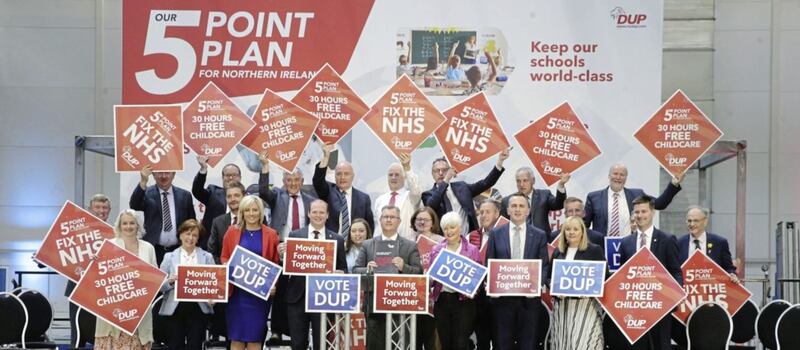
252,272
458,272
333,293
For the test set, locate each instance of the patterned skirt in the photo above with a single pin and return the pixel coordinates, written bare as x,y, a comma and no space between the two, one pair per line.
577,324
121,342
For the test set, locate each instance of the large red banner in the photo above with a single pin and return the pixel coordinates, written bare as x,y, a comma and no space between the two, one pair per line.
72,239
403,117
213,124
705,281
148,134
640,294
337,106
471,133
172,48
283,129
306,256
201,283
118,287
557,143
678,134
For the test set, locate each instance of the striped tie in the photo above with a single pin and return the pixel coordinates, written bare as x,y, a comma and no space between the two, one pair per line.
614,229
166,217
642,240
345,232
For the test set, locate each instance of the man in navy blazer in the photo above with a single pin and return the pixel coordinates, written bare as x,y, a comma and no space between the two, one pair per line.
299,320
665,248
599,203
542,201
282,200
713,246
162,235
446,196
339,194
516,319
573,206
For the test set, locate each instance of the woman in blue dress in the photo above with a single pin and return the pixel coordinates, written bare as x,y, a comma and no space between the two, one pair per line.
247,313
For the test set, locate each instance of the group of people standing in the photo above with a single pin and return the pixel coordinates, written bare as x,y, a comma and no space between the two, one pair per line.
260,218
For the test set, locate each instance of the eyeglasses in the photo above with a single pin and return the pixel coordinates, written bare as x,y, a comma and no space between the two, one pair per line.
386,217
423,220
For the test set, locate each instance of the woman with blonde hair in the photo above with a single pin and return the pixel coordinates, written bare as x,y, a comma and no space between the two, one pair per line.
247,313
128,232
577,322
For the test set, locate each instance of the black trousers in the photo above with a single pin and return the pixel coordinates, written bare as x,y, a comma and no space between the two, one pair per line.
188,327
299,322
73,326
454,320
516,322
484,329
376,331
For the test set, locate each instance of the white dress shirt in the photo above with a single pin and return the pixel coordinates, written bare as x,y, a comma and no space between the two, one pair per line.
349,195
649,240
511,233
168,238
624,213
301,209
321,231
703,241
188,258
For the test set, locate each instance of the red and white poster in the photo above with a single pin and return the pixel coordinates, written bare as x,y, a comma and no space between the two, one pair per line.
678,134
118,287
148,134
425,246
172,48
400,294
705,281
283,129
509,277
471,133
328,97
307,256
403,117
202,283
640,294
213,124
72,239
557,143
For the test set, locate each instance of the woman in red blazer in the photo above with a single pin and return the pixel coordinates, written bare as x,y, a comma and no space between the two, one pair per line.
247,314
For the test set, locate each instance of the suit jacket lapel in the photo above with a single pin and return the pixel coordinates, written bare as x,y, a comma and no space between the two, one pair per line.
528,243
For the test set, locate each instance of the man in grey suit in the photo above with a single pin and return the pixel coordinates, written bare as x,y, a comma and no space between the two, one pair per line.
288,205
542,201
406,261
234,193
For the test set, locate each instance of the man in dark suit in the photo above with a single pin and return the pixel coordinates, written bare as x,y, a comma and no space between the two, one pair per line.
345,203
289,205
714,246
516,319
406,262
573,206
601,204
213,196
165,207
542,201
446,196
488,213
234,192
299,320
665,248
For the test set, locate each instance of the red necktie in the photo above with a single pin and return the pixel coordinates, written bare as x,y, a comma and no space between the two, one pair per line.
295,214
234,221
394,197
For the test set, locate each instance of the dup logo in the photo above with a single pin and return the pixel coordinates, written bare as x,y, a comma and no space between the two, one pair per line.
623,19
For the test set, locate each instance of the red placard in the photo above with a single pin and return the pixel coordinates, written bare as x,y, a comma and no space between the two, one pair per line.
307,256
552,246
678,134
171,48
706,281
400,294
148,134
403,117
425,246
337,106
118,287
202,283
557,143
213,124
509,277
471,133
73,237
282,129
640,294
